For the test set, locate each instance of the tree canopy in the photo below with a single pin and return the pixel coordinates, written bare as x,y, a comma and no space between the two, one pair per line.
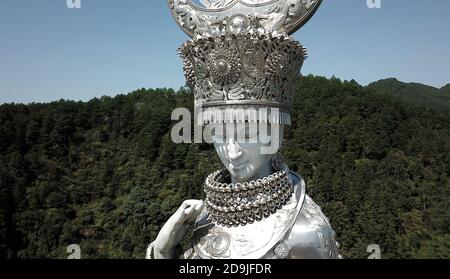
105,174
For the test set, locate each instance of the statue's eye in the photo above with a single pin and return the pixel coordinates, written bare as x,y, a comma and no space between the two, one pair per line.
250,131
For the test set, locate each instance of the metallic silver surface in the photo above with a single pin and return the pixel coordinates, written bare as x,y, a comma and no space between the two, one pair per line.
282,250
312,236
245,111
212,18
241,57
241,52
238,204
238,70
298,231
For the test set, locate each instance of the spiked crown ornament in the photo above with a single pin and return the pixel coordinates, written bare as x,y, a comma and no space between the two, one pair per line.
242,56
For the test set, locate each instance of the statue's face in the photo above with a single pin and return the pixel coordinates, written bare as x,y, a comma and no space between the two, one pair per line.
245,150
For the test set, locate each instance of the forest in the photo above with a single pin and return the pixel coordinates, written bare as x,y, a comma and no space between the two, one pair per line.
104,174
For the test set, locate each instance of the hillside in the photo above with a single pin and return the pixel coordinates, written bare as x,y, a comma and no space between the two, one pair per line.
104,174
415,93
445,89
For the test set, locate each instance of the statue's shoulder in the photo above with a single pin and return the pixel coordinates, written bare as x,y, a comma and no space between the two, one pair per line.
311,235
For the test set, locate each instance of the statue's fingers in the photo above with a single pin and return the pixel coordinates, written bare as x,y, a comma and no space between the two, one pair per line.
189,210
181,212
186,204
199,206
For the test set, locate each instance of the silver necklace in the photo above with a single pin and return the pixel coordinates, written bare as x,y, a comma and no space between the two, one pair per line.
237,204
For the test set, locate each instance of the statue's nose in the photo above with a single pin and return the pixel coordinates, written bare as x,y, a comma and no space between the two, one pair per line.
234,151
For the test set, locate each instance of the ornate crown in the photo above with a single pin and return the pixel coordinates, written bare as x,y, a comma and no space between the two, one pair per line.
243,70
212,18
241,55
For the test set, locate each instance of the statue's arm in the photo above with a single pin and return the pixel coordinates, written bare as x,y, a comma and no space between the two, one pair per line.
150,254
174,230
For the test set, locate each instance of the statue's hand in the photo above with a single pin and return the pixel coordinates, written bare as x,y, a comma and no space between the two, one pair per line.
188,211
176,227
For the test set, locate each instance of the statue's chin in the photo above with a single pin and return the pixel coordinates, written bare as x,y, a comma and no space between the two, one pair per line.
241,174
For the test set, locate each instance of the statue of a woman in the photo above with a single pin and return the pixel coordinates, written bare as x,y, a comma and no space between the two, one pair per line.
243,83
255,208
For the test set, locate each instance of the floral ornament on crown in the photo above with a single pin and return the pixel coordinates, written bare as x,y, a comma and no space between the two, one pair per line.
224,64
246,68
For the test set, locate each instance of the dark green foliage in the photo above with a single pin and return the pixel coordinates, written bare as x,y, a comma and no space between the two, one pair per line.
415,93
105,174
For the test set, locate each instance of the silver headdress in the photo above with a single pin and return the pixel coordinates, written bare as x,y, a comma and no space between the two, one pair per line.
241,62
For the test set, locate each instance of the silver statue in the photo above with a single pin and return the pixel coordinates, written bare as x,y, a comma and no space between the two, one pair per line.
243,65
219,17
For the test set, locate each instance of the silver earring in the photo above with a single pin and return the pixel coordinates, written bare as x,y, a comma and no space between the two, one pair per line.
278,162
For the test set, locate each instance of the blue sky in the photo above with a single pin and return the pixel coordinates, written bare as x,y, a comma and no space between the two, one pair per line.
108,47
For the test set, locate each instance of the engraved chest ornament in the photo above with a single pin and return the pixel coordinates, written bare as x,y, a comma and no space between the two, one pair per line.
281,251
218,242
209,18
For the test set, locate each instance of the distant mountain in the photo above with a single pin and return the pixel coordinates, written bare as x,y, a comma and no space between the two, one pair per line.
446,89
415,93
